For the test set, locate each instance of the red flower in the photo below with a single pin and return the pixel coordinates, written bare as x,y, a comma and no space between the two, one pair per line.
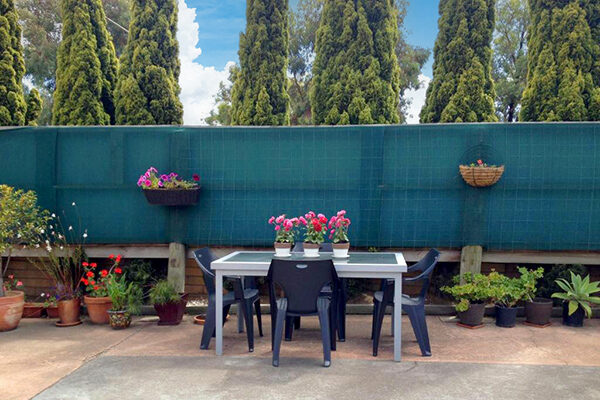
90,274
317,225
93,265
118,270
92,282
111,256
118,258
479,162
85,264
96,287
196,177
85,281
104,273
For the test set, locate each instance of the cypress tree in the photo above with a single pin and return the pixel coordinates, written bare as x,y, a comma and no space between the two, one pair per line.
12,67
259,95
34,107
148,88
563,67
356,73
462,89
86,67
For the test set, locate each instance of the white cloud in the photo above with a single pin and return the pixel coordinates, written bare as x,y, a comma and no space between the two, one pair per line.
199,84
417,100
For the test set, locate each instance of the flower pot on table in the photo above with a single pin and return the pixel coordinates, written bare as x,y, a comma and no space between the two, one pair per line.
340,250
311,250
282,249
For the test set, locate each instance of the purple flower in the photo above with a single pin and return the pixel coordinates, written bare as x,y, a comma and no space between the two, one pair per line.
148,183
160,183
164,177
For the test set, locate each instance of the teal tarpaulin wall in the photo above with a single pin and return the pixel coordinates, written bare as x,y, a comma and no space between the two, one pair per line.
399,184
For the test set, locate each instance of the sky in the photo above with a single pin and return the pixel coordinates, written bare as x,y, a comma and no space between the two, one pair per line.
209,37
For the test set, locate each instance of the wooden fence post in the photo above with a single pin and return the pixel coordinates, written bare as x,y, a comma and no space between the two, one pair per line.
470,260
176,271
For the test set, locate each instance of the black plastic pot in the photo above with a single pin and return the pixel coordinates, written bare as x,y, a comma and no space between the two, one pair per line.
172,197
473,316
575,319
506,317
538,311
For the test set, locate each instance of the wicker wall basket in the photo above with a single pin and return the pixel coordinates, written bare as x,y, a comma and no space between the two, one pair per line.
481,176
172,197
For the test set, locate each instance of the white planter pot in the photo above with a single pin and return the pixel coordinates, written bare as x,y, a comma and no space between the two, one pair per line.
311,250
282,249
340,250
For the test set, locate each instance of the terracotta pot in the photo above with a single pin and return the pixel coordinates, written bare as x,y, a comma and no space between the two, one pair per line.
171,313
282,249
52,312
11,310
97,308
33,310
340,250
69,311
119,319
311,250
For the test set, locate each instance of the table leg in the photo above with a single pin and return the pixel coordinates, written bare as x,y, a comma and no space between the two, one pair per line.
398,319
219,312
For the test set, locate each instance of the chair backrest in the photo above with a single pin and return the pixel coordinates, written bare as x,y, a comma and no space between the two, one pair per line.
430,258
301,282
426,265
325,247
204,257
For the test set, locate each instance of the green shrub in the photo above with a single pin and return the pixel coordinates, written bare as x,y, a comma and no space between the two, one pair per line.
164,292
475,289
578,292
547,285
124,295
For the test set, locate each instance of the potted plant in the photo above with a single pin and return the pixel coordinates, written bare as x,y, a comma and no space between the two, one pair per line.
95,281
284,234
63,264
481,174
21,221
126,299
577,297
169,190
472,296
537,309
315,227
338,234
169,305
506,293
50,304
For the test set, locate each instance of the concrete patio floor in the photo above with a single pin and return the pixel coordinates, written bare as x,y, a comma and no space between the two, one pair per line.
150,361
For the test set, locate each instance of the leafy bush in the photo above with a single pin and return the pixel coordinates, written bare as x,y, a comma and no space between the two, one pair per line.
475,289
529,280
505,291
164,292
124,295
578,292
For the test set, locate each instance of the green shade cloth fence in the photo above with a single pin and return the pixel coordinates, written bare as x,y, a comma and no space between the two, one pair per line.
400,184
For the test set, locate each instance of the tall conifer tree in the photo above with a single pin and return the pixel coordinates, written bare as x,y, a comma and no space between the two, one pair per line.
259,94
86,66
462,89
563,66
356,73
148,85
13,107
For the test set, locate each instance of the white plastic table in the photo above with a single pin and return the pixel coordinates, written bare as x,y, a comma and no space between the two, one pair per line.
358,265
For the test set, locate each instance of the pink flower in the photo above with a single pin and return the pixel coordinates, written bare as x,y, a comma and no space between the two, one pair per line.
338,223
271,220
160,184
332,221
280,219
332,232
294,221
320,216
11,277
341,212
277,227
323,219
19,283
148,183
302,221
287,228
164,177
196,177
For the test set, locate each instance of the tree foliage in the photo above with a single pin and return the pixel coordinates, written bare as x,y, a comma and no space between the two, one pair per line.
34,107
259,94
510,57
356,74
563,66
223,101
462,89
148,88
12,67
87,67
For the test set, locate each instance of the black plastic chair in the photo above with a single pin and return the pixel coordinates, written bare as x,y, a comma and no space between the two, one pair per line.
245,295
302,283
413,306
342,298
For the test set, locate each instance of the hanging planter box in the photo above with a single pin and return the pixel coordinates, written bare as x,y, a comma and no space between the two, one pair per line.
477,176
172,197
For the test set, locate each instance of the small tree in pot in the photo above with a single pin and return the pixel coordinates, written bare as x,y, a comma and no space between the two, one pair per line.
21,221
577,298
472,296
506,293
169,305
537,309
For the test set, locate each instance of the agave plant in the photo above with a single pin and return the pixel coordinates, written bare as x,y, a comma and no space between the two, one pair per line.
578,293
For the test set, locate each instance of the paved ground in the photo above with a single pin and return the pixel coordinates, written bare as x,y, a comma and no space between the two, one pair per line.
148,361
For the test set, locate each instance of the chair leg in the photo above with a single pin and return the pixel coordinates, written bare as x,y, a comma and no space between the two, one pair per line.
279,321
209,327
324,318
297,323
376,305
249,324
333,308
289,328
240,318
341,317
378,324
423,338
258,317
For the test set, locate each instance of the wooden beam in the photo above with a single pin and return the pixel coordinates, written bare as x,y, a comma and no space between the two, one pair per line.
176,271
470,260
